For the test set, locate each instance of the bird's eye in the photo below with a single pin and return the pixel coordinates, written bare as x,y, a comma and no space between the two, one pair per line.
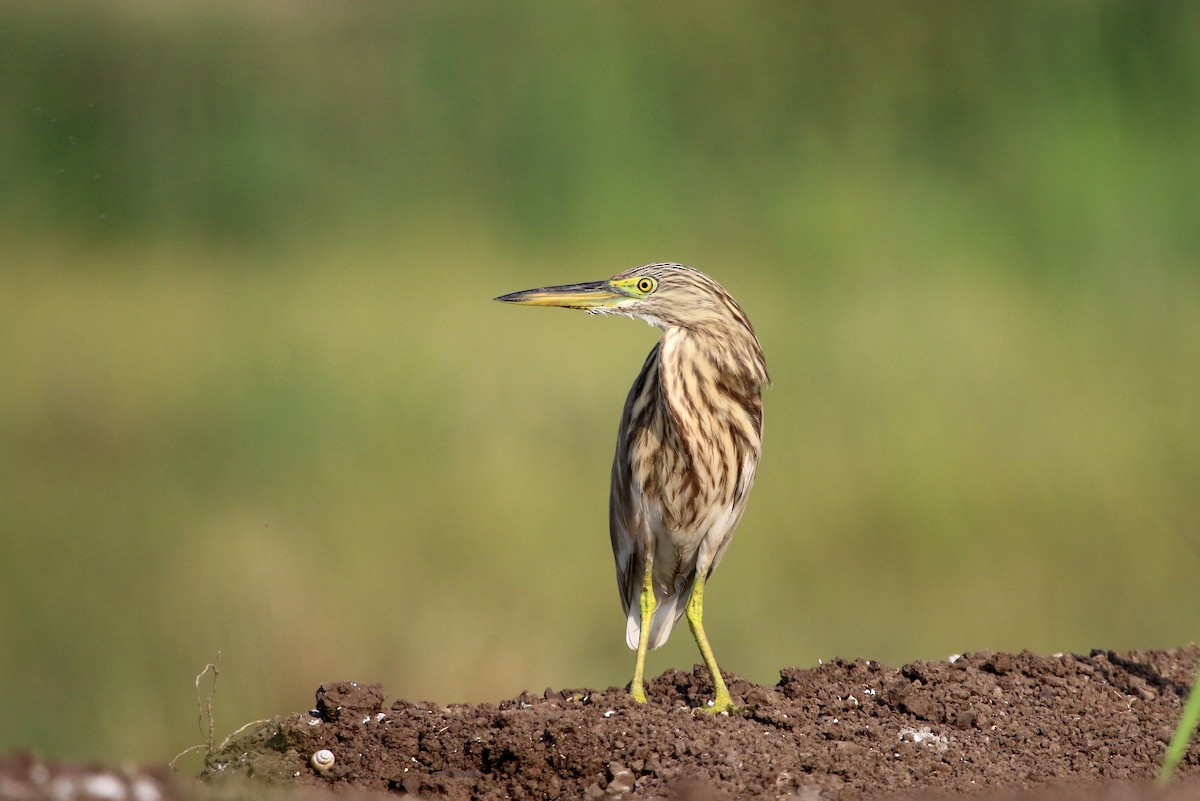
646,285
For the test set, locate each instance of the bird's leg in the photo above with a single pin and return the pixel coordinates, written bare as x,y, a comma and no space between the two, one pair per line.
722,702
636,689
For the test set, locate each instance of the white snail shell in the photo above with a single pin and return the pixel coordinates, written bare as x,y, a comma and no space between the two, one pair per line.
322,760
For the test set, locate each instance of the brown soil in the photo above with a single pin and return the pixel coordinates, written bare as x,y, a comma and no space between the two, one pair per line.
844,730
841,730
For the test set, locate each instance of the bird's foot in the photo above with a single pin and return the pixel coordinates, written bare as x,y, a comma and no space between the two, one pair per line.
721,705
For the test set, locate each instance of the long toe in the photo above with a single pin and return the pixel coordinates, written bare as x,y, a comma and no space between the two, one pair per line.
721,705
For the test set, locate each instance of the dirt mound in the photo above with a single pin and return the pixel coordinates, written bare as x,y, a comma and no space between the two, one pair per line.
842,730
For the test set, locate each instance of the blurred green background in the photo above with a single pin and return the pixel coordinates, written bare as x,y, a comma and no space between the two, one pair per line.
255,397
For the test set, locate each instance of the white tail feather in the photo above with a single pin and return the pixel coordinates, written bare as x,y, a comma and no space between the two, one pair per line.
633,628
662,622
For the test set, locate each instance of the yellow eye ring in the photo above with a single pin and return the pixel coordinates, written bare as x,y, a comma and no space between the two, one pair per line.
646,285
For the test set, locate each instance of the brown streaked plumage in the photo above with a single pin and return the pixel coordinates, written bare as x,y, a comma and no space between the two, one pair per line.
687,447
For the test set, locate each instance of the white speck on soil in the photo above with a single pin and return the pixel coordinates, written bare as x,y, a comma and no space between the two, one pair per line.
145,789
924,736
104,785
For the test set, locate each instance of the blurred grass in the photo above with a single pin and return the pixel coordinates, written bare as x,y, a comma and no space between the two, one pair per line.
256,398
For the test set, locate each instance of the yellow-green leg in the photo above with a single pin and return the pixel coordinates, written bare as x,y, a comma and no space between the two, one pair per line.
636,688
723,702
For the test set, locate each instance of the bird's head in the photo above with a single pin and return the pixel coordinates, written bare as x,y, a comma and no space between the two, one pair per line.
665,295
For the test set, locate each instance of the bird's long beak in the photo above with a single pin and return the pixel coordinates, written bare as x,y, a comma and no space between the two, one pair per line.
592,295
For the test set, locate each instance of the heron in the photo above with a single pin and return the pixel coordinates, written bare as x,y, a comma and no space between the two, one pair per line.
687,447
